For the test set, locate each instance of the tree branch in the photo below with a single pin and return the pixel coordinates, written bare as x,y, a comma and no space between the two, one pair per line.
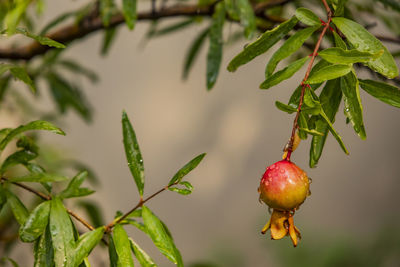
91,24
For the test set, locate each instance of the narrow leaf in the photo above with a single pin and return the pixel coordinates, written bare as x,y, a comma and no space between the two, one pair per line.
364,41
22,75
108,39
34,125
214,55
337,55
56,22
193,52
284,107
62,234
143,258
86,243
186,169
43,250
352,103
330,98
19,157
339,41
79,69
17,207
36,223
307,17
284,74
129,11
160,236
290,46
36,177
107,8
40,39
247,17
73,189
133,154
333,131
328,73
385,92
112,254
122,247
262,44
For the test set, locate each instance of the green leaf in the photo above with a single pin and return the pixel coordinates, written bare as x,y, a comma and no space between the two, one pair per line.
214,55
247,17
86,243
79,69
285,108
73,189
19,157
352,103
193,52
36,223
337,55
107,8
364,41
14,16
108,39
262,44
333,131
122,247
66,95
13,262
17,207
112,254
307,17
43,250
129,11
284,74
143,258
339,8
186,169
34,125
160,236
339,41
385,92
290,46
40,39
21,74
36,177
302,121
62,234
330,98
328,73
312,132
133,154
183,191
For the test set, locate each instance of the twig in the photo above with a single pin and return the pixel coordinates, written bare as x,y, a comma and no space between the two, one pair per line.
92,24
48,197
138,205
303,84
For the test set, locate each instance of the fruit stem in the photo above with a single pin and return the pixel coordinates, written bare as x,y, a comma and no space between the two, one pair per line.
303,83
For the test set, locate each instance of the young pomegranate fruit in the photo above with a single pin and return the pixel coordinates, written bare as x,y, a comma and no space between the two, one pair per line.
283,187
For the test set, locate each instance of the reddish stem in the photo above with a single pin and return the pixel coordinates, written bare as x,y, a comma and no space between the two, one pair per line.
303,84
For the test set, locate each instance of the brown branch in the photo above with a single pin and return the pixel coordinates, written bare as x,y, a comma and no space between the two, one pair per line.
138,205
92,23
303,84
48,197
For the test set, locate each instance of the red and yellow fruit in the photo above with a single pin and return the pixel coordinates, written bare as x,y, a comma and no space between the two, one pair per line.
284,187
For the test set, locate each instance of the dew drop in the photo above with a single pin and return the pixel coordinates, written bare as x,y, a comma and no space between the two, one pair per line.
282,171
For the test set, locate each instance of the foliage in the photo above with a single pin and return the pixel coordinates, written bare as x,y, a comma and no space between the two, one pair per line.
349,50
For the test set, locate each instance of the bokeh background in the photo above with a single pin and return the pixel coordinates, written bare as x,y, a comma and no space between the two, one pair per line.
351,219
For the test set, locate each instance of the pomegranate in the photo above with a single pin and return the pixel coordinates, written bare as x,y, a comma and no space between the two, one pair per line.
284,187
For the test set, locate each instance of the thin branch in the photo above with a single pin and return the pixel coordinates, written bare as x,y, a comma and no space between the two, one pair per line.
48,197
91,24
303,84
138,205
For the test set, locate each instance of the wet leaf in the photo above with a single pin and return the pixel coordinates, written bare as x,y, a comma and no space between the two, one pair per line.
86,243
307,17
262,44
337,55
36,223
328,73
132,152
186,169
144,259
122,247
385,92
17,207
73,189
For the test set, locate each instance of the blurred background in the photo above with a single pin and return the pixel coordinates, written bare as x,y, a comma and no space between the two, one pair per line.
351,219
